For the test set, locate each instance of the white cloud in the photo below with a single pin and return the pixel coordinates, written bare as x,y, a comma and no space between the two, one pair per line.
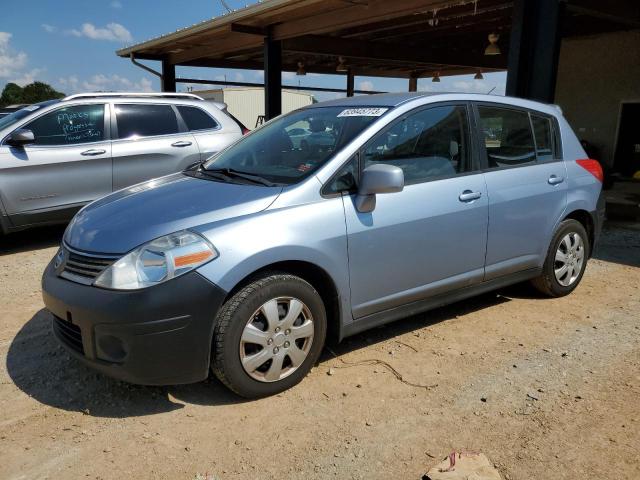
11,63
365,85
116,4
26,78
113,32
105,83
49,28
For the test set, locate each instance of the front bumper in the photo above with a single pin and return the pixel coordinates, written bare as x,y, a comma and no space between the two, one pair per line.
155,336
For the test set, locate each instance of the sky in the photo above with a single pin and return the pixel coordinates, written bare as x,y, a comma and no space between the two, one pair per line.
71,45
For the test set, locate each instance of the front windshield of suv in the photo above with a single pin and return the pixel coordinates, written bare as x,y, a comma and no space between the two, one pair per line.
18,115
294,146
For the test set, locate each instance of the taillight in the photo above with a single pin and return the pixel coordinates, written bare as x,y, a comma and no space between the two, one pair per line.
592,166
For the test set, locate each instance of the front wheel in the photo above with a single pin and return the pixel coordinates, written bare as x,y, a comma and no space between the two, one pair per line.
268,335
566,260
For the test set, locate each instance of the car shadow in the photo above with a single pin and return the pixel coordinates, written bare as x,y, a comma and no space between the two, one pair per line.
31,239
619,243
42,369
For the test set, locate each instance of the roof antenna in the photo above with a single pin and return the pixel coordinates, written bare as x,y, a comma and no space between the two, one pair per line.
225,6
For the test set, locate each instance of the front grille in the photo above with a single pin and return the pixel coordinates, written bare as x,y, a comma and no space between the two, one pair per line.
68,333
84,268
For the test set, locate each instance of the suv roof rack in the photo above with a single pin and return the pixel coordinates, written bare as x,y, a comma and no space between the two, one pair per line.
190,96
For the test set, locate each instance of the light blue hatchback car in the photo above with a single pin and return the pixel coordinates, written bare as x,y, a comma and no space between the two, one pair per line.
244,263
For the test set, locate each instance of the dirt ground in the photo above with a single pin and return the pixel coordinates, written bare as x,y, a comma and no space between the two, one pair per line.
548,389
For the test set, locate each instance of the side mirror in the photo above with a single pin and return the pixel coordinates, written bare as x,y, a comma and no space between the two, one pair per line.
378,178
20,137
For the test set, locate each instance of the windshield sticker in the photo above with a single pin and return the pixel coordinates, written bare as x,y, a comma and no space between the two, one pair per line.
31,108
362,112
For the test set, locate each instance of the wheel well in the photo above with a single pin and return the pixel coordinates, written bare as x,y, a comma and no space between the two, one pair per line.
316,276
586,220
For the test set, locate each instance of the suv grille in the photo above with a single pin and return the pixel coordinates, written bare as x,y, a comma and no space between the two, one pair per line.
83,268
68,333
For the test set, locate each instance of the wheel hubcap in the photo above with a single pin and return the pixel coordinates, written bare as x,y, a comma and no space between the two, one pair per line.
277,339
569,259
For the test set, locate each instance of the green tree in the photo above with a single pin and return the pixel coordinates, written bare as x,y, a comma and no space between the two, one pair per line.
32,93
39,92
11,94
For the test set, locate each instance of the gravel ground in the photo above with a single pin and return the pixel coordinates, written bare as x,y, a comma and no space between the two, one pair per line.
546,388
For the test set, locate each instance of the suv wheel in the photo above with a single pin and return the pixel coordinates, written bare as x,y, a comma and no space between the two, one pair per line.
268,335
566,260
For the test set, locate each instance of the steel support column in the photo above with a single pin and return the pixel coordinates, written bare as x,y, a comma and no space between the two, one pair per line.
534,49
350,83
272,77
413,83
168,79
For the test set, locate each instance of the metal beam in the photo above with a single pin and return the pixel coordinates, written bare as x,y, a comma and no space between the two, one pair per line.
534,49
413,83
272,77
168,79
260,85
390,52
350,83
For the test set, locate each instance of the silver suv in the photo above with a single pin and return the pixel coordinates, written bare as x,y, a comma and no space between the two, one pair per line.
59,155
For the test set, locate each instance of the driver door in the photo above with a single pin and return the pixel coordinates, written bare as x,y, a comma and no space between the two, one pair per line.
431,237
67,166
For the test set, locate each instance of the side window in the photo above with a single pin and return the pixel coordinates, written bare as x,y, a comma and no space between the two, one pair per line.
69,126
426,145
197,119
145,120
507,136
345,180
542,131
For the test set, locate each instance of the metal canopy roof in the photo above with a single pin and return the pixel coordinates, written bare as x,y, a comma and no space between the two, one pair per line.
376,37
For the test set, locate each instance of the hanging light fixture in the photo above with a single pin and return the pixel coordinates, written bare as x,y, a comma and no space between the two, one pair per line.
478,75
342,66
493,48
301,70
436,77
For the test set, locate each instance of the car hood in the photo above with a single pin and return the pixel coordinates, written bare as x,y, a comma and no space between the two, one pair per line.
128,218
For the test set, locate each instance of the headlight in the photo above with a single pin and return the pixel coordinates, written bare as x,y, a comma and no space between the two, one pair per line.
158,261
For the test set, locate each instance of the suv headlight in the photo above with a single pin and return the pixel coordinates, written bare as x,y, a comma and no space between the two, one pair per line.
158,261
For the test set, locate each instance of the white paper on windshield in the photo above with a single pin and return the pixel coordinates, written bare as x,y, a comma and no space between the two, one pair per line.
362,112
31,108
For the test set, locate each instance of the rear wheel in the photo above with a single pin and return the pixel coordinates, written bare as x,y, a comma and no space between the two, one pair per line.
566,260
268,335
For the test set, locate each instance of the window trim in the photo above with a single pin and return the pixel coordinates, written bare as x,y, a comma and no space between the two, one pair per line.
200,130
28,120
482,150
323,190
471,169
114,125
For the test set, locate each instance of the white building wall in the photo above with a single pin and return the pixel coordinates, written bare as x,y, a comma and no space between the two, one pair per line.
247,103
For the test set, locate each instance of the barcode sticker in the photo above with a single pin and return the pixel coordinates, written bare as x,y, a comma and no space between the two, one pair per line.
362,112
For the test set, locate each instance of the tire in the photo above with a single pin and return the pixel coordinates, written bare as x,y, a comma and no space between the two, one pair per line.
259,312
561,284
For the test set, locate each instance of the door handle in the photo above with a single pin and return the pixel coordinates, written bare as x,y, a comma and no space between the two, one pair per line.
181,143
92,152
469,196
555,180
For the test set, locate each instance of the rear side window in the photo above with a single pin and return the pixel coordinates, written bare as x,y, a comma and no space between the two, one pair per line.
543,132
145,120
197,119
507,136
69,126
429,144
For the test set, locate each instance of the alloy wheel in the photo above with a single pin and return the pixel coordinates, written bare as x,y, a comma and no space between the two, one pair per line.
569,259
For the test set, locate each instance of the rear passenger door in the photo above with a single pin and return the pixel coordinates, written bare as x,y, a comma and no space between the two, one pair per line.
208,131
150,141
526,182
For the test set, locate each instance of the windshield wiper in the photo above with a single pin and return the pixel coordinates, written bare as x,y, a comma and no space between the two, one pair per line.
230,172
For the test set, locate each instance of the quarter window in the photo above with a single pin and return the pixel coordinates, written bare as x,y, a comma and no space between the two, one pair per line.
145,120
544,139
507,136
197,119
69,126
429,144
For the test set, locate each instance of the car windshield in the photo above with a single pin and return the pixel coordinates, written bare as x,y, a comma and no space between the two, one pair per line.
294,146
18,115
